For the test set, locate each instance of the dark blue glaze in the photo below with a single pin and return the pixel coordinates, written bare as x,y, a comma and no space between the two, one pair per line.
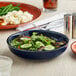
39,55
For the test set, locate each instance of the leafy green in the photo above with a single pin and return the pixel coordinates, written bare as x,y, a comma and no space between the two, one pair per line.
4,10
25,40
15,43
36,42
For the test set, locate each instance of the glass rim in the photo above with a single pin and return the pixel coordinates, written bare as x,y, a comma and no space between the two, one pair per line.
7,59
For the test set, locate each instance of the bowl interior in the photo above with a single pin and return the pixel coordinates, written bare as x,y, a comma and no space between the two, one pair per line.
51,34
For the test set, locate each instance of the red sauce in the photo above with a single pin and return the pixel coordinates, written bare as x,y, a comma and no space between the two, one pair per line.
50,4
1,21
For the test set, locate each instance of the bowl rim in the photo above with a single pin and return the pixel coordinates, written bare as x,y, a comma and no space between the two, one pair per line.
37,51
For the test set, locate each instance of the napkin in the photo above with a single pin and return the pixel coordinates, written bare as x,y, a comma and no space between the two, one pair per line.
57,26
53,23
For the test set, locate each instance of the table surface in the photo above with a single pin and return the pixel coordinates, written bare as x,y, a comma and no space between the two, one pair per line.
63,65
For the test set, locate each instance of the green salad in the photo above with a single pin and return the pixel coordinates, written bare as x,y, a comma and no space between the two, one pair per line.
36,42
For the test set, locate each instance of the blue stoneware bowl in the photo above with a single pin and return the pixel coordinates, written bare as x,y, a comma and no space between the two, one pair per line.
38,55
